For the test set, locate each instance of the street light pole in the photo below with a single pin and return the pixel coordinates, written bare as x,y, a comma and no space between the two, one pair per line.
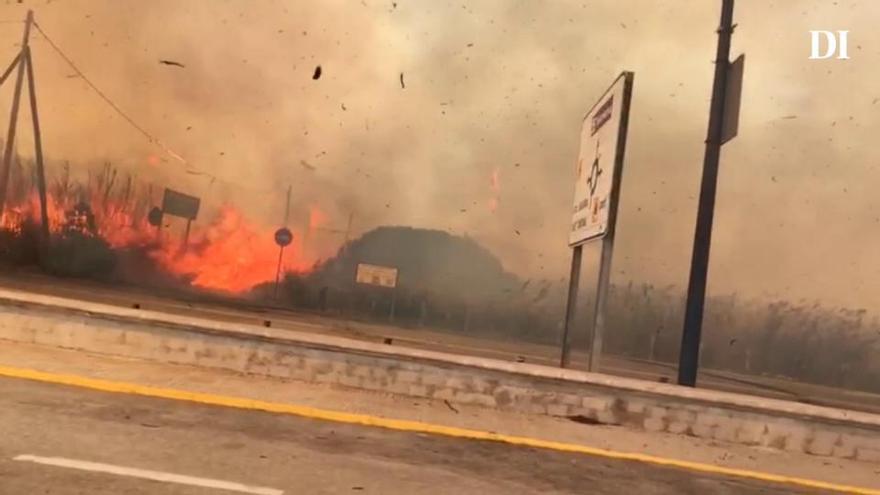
696,295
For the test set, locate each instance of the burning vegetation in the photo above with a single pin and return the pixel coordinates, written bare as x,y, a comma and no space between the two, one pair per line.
100,226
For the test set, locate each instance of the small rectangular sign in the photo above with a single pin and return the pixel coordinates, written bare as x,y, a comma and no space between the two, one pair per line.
382,276
603,115
733,99
180,205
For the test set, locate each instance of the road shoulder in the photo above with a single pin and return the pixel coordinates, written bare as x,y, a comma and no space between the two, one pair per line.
543,429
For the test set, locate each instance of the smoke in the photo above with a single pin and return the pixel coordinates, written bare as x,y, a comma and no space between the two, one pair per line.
490,114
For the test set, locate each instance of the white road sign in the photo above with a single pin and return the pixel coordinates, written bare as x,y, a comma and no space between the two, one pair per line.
383,276
599,162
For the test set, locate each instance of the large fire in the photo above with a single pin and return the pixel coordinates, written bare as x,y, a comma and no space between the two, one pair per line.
228,254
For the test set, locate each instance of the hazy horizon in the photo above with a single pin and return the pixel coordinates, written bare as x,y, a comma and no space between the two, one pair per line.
483,137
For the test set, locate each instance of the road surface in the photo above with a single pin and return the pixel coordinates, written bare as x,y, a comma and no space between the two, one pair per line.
64,440
434,340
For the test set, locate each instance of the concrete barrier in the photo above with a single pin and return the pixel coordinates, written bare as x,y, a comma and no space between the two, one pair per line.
296,355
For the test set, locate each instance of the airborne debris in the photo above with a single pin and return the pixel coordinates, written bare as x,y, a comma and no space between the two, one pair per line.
517,232
450,406
317,74
172,62
343,107
307,165
542,293
402,84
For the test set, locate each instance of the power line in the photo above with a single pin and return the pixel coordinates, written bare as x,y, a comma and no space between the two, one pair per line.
114,106
151,138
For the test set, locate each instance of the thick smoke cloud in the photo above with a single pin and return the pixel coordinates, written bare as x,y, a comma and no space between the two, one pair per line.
491,88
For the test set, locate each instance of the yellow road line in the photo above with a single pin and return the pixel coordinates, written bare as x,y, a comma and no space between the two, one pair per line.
410,426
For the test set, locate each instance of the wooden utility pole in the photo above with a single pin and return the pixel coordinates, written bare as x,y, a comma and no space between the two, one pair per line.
13,117
25,65
38,152
348,228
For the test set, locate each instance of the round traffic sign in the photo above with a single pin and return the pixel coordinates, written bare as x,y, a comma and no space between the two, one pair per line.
155,216
283,236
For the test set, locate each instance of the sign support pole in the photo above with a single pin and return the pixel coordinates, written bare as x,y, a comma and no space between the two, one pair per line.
599,324
278,271
393,303
696,295
159,229
282,245
571,303
287,208
186,235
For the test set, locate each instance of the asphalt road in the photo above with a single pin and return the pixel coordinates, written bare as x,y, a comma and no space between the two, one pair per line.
434,340
65,440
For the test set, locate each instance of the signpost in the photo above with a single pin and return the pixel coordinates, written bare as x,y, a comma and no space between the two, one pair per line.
283,237
382,276
180,205
155,217
597,191
379,276
723,126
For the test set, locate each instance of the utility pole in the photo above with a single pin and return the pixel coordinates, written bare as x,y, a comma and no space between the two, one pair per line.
287,208
696,295
13,117
38,152
348,228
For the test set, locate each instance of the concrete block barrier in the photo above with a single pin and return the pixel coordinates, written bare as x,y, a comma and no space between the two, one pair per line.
299,355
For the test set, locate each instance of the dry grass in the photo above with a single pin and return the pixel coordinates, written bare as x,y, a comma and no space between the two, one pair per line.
803,340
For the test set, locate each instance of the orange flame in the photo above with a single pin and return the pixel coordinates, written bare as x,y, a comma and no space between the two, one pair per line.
230,254
317,218
495,190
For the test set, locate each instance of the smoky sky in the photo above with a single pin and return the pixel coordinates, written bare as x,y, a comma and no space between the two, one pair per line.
428,113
